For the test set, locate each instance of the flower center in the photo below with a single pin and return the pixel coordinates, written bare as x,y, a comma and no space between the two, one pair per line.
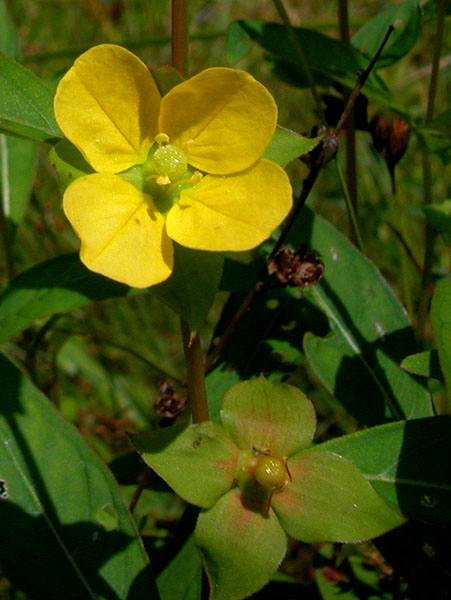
170,163
270,472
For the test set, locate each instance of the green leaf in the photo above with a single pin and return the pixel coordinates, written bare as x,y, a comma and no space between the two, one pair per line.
268,416
65,518
17,157
329,500
17,169
425,364
68,162
57,285
330,60
287,145
240,548
407,463
406,20
199,463
191,289
182,578
358,362
441,326
439,216
26,103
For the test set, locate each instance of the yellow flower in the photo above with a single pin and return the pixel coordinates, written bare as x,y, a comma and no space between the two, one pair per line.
186,167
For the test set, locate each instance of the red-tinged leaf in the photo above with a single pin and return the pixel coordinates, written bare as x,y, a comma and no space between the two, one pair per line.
274,417
199,463
329,500
240,549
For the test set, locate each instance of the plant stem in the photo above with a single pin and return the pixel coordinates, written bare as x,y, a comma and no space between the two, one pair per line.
179,39
4,202
351,162
350,208
301,56
191,345
195,373
307,186
423,308
400,222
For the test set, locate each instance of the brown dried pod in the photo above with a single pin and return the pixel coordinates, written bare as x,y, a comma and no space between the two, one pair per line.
297,269
169,403
390,138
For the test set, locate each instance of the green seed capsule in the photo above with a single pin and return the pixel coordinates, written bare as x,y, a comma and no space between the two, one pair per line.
270,472
170,161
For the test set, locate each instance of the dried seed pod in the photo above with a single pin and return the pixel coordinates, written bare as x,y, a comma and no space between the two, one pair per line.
169,403
297,269
390,139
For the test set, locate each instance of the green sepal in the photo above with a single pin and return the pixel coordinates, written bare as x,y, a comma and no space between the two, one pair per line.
240,549
287,145
329,500
191,289
68,162
166,77
269,417
199,463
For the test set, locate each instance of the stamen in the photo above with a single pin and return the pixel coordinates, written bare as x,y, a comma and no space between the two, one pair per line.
195,178
161,139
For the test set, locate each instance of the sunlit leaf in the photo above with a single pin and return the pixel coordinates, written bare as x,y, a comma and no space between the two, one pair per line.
243,557
407,463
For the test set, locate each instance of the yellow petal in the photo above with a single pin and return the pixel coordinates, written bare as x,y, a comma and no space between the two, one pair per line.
232,212
122,233
107,105
222,118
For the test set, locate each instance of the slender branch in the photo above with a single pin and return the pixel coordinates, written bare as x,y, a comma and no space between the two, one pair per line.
179,39
423,308
195,373
140,488
406,247
307,186
351,160
361,81
301,56
351,211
